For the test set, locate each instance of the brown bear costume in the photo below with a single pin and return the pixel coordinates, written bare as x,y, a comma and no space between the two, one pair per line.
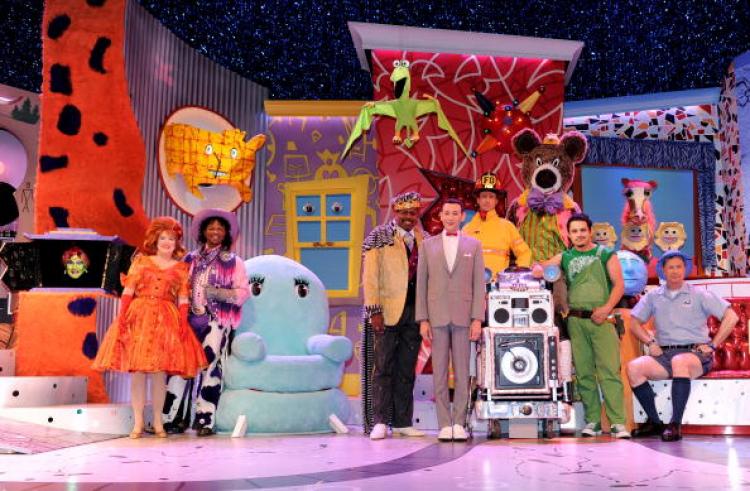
541,212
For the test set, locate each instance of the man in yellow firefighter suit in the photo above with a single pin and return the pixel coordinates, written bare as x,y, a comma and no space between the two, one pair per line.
498,236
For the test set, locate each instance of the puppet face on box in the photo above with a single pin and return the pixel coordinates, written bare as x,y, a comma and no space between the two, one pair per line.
76,262
65,258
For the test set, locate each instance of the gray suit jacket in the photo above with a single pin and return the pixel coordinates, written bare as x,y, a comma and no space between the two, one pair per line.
450,297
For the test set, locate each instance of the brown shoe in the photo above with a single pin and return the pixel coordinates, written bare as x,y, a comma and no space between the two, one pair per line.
672,433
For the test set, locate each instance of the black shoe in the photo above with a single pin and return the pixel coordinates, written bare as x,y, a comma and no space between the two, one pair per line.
206,431
174,428
672,433
648,429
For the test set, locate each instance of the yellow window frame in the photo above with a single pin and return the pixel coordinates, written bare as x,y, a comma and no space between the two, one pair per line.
357,187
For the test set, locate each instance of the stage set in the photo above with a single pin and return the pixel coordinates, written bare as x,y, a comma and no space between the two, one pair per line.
132,123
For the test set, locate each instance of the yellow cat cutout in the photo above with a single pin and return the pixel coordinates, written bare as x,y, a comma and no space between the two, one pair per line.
207,158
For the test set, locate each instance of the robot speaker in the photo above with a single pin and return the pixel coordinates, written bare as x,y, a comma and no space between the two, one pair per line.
520,309
519,362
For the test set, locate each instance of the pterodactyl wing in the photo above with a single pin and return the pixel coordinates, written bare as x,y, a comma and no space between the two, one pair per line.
366,115
432,105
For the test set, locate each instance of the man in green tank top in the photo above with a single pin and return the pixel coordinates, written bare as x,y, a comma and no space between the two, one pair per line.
595,286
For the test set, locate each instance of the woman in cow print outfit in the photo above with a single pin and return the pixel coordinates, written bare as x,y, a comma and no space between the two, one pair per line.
218,288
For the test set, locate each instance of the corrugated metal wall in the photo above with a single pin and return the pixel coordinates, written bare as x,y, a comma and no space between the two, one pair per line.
165,74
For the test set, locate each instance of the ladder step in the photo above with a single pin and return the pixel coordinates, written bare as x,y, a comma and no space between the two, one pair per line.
42,391
112,419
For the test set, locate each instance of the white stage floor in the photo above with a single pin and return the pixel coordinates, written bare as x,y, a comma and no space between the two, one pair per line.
354,462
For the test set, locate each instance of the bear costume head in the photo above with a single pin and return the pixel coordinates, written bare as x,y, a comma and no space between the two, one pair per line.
549,165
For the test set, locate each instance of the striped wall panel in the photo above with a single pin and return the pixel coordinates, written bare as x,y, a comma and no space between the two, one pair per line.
164,74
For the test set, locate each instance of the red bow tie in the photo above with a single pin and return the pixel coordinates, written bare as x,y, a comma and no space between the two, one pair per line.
483,215
451,234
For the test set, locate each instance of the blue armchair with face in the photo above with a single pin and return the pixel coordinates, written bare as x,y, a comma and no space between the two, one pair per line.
284,370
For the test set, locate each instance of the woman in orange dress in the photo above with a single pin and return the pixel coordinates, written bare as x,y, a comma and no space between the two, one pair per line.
151,334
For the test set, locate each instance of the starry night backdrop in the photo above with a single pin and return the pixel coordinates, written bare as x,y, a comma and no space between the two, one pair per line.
303,50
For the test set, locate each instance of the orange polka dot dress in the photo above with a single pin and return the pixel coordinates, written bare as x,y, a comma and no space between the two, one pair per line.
151,336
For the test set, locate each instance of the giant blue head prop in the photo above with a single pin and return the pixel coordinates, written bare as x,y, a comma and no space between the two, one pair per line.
634,272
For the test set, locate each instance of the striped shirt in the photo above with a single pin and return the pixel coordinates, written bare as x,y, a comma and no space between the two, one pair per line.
541,235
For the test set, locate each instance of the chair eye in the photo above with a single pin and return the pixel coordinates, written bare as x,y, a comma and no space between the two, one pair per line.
302,290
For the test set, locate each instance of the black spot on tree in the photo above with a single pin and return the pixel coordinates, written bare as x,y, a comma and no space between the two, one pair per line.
96,60
69,121
58,26
59,80
121,202
49,163
100,138
59,216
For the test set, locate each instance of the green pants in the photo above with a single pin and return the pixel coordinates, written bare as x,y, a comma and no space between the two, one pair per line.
596,354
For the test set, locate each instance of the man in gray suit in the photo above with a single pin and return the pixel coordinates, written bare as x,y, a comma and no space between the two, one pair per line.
450,310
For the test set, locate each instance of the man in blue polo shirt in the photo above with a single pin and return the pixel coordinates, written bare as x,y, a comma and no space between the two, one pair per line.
681,348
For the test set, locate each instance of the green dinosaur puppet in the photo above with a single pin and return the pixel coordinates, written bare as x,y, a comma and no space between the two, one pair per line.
404,109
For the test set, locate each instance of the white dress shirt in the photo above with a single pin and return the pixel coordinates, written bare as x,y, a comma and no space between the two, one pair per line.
450,249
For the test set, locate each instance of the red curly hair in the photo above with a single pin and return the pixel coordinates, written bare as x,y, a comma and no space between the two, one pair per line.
75,251
155,228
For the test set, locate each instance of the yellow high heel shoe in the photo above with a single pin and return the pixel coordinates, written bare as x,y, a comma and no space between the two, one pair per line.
135,434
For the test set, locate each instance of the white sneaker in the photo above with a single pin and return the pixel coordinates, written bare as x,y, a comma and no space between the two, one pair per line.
408,431
378,432
619,431
459,434
592,429
446,434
